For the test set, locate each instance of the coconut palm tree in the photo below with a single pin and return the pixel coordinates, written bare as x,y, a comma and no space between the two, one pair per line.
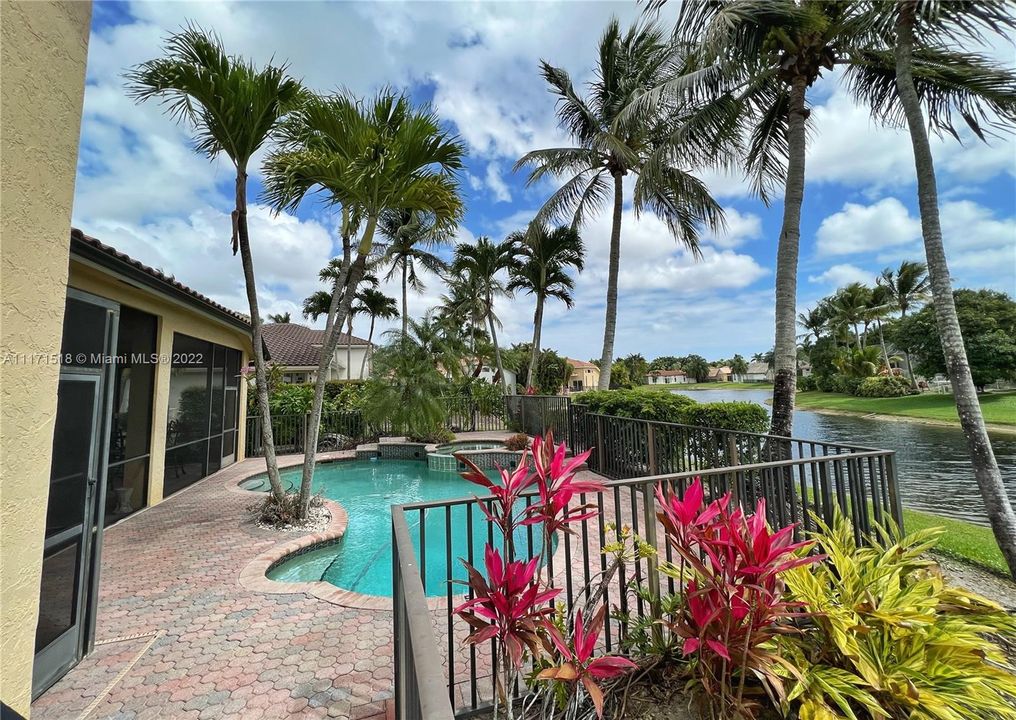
929,77
544,258
814,321
769,54
879,307
368,157
907,286
234,108
464,305
378,306
483,264
656,145
849,308
279,317
410,240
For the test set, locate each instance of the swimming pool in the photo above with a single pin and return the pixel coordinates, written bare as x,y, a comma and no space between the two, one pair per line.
466,445
361,560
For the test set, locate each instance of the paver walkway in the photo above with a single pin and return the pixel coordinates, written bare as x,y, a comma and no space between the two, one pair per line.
208,648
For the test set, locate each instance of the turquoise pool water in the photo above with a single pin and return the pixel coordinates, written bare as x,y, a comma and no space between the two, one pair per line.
362,559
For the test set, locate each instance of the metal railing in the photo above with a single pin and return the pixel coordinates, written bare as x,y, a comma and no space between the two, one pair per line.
535,414
806,478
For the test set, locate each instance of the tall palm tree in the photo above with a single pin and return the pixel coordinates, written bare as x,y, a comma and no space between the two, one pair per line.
367,157
464,305
906,286
484,263
234,108
378,306
410,240
879,307
849,308
980,92
333,273
814,321
544,258
769,54
612,142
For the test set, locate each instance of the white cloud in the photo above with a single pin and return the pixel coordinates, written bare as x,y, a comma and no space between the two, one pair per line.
741,227
839,275
496,184
863,228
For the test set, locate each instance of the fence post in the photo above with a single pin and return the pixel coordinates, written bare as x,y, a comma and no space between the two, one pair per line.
652,571
599,444
651,442
894,491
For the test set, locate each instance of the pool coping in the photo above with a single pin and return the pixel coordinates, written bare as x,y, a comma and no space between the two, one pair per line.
254,575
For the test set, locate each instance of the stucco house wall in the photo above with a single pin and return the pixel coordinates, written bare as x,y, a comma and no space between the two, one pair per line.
43,48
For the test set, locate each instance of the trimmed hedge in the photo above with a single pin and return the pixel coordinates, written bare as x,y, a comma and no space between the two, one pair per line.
669,407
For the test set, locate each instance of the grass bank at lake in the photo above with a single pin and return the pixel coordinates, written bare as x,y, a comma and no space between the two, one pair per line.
963,541
998,408
712,386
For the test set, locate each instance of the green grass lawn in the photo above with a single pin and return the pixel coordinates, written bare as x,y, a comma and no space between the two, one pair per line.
998,408
962,540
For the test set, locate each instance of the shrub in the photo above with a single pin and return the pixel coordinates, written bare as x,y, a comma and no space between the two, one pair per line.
741,416
883,386
845,384
807,383
434,436
516,442
291,399
734,601
644,404
344,394
650,404
889,636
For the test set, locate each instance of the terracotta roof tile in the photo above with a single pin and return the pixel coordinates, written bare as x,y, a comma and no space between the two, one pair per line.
297,345
158,275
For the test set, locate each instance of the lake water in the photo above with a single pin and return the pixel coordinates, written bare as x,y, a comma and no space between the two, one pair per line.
933,465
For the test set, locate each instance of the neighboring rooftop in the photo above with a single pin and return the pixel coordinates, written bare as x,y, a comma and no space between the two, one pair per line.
295,345
581,364
90,248
757,368
668,373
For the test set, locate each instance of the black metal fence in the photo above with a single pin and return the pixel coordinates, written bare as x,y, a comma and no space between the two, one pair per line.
535,414
805,477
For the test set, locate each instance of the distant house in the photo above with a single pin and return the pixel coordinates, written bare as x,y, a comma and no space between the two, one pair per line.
720,374
584,376
298,349
489,373
668,377
758,372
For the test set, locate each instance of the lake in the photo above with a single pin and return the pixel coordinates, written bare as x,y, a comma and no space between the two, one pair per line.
933,465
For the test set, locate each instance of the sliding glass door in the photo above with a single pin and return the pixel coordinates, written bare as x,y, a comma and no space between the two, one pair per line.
74,510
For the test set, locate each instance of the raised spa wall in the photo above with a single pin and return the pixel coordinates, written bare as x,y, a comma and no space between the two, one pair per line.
403,449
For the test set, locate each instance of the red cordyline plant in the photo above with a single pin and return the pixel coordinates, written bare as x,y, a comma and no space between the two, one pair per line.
511,605
734,595
577,662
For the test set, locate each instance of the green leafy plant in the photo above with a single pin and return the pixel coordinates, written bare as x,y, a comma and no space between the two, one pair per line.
638,403
884,386
889,638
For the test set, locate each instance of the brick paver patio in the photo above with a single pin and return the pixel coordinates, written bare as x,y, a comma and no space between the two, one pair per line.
191,642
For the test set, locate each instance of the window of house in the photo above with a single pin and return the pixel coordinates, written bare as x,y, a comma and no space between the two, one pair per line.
203,411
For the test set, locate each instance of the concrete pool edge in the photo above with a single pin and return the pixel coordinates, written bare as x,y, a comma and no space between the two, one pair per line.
254,575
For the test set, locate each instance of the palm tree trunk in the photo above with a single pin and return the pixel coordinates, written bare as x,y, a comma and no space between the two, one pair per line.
369,350
885,351
785,354
405,298
342,300
989,479
260,372
906,356
534,355
493,338
614,262
349,344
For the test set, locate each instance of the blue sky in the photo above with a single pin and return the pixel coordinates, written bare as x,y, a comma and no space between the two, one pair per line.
142,189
